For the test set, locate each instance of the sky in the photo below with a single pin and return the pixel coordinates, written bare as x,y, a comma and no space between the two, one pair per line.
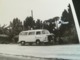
42,9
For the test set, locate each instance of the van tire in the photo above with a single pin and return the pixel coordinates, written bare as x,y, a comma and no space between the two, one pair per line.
22,43
37,42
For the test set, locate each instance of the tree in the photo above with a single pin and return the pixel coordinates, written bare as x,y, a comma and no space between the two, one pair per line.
38,24
71,16
67,16
15,27
68,31
50,24
29,23
3,29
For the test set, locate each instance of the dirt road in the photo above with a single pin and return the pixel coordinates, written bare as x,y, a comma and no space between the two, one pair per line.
54,51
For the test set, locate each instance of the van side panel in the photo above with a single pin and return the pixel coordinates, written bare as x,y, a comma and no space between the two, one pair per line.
27,38
43,37
30,38
22,38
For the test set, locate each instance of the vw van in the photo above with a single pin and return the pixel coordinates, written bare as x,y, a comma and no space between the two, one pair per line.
36,36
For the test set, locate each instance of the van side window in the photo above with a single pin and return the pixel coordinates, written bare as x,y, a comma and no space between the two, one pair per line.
43,32
31,33
38,33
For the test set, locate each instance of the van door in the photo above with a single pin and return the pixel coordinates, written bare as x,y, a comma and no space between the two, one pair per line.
39,35
31,37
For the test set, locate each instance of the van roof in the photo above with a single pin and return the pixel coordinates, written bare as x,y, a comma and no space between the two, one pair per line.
34,30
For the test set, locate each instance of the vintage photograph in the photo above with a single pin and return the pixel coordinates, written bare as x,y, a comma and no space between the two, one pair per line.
39,30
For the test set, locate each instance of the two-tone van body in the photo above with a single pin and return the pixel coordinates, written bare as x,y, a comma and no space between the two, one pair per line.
37,36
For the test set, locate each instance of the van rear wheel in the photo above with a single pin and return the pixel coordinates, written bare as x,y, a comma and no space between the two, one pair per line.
22,43
37,42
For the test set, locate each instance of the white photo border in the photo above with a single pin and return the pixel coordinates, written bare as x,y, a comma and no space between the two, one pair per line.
75,19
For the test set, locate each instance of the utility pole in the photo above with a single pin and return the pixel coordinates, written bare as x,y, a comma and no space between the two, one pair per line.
32,18
32,13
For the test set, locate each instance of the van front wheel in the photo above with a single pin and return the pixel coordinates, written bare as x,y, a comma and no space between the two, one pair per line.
22,43
37,42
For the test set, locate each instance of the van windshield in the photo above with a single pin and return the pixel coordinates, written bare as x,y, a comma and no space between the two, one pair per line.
45,32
